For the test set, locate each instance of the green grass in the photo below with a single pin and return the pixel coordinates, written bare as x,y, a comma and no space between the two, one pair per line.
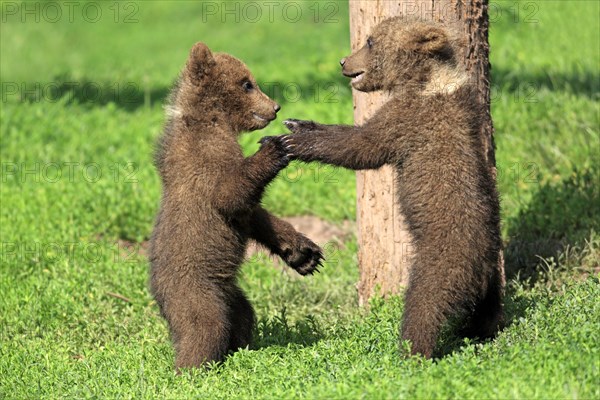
66,238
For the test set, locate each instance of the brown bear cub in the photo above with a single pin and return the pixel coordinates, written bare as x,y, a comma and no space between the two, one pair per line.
429,131
210,207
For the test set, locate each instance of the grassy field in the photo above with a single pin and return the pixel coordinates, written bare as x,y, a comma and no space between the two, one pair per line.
82,94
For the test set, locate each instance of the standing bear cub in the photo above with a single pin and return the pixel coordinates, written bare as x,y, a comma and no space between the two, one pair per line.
210,207
429,131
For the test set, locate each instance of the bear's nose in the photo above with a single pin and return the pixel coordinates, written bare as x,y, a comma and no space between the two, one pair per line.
343,61
276,107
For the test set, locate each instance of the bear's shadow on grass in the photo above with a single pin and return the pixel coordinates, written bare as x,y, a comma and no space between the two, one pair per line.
278,331
126,95
526,84
559,215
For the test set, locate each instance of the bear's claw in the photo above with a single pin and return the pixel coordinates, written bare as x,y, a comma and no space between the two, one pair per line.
288,143
306,258
278,149
282,141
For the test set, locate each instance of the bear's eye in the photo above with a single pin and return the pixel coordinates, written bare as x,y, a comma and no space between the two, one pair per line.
369,42
248,86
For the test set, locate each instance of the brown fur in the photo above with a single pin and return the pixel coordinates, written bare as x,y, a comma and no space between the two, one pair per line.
210,207
429,131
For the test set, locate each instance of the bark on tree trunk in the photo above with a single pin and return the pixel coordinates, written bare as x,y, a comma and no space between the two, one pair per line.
385,250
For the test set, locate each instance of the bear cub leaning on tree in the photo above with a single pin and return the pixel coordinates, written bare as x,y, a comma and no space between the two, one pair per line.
210,207
429,131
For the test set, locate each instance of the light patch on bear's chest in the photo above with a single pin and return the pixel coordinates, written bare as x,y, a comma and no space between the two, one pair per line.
445,81
172,111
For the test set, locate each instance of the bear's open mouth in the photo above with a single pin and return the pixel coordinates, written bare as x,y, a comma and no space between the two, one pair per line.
261,118
356,76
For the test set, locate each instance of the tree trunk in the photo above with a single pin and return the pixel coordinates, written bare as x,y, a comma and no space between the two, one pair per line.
385,249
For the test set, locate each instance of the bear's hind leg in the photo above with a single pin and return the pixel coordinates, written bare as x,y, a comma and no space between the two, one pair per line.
488,316
242,321
200,330
423,317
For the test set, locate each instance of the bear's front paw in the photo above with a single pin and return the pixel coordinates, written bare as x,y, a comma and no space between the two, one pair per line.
305,256
299,126
278,147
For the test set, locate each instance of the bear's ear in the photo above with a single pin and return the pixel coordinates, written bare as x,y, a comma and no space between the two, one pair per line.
430,40
201,61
